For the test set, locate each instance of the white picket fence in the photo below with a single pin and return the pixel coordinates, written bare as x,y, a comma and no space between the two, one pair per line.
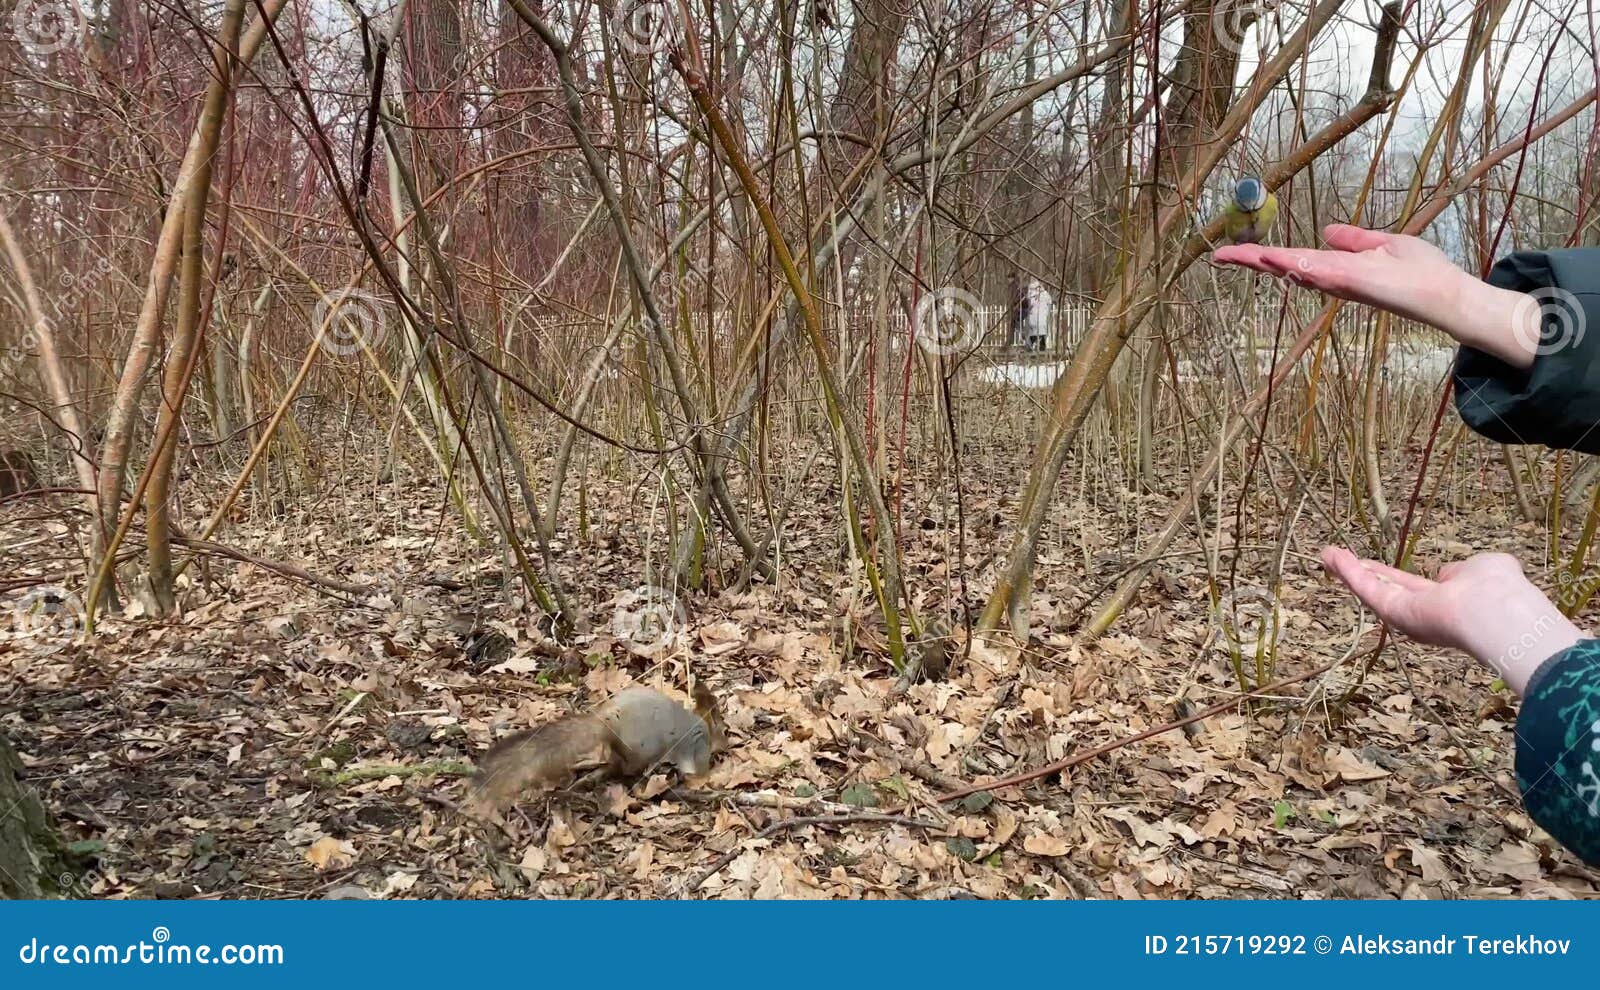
991,328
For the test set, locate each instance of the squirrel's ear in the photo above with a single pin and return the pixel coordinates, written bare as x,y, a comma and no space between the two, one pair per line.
705,703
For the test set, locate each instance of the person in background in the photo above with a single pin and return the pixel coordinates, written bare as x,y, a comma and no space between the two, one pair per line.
1041,312
1017,307
1528,371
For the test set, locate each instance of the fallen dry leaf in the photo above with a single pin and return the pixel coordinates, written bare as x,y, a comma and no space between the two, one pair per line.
328,853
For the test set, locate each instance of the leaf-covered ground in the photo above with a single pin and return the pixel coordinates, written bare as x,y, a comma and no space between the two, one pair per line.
278,740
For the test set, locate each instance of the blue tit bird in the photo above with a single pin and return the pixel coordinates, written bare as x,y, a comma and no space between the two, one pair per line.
1248,218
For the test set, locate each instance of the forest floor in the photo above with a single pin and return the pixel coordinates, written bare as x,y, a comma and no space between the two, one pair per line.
279,740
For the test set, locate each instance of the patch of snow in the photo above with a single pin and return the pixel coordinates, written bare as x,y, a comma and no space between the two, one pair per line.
1023,375
1425,365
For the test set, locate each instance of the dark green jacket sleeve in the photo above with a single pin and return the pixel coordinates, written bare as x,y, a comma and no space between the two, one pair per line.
1558,748
1556,402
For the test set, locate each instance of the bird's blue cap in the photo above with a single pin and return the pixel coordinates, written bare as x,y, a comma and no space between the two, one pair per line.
1250,194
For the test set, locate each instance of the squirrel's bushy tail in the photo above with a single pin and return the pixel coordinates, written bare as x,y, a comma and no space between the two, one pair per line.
544,757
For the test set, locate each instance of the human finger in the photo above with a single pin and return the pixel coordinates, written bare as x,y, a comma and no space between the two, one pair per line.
1405,579
1273,260
1385,597
1248,255
1346,237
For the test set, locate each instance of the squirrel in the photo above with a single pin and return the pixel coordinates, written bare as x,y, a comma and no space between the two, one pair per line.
635,730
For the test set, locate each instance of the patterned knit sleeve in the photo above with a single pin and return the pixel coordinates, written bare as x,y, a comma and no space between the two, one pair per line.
1558,748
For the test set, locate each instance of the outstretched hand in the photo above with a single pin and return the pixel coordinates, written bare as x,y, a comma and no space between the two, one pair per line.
1483,605
1429,611
1407,276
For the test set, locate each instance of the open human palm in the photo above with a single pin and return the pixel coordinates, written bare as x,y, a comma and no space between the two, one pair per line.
1483,605
1403,274
1427,610
1407,276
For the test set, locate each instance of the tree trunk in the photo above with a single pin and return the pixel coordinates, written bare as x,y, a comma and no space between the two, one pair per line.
33,862
121,417
65,411
186,340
